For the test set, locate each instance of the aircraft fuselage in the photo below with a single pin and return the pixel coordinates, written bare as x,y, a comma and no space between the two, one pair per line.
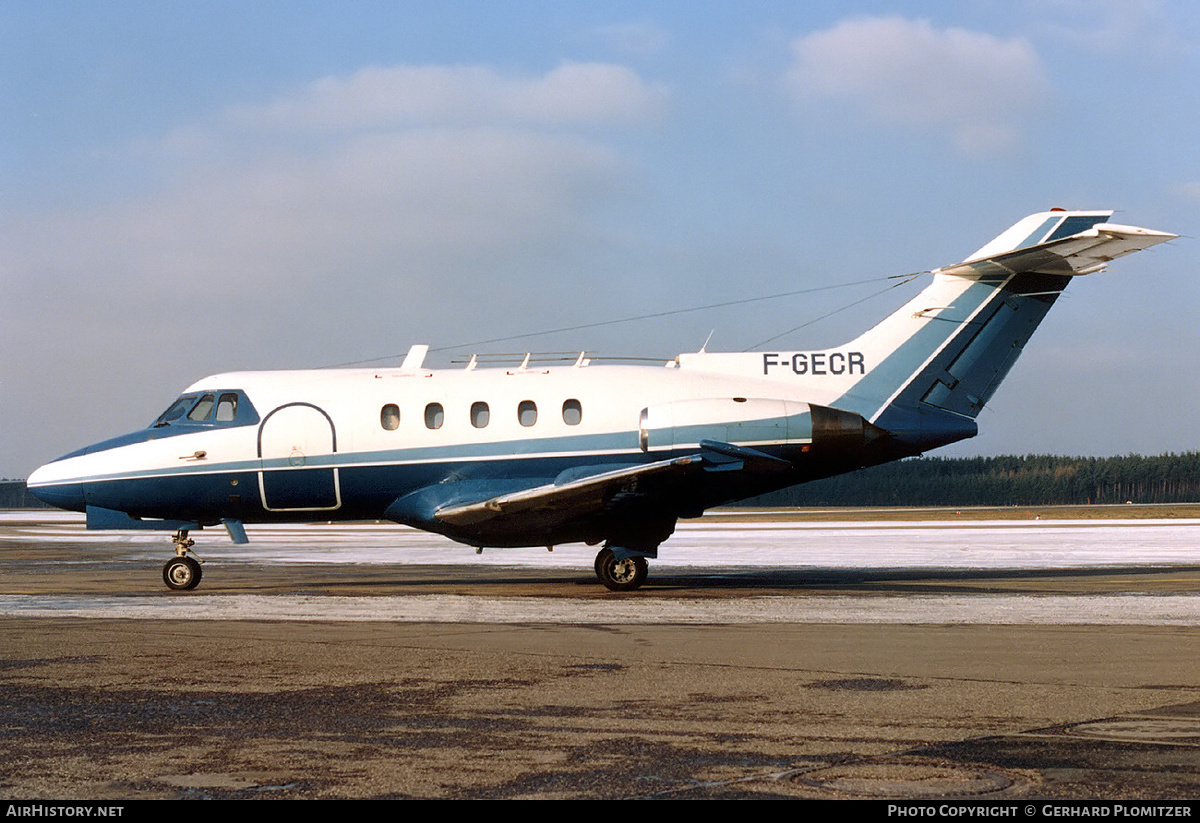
348,444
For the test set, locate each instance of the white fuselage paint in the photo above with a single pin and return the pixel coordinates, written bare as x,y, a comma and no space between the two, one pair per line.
610,398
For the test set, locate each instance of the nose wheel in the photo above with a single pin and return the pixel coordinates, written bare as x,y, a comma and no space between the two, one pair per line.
182,572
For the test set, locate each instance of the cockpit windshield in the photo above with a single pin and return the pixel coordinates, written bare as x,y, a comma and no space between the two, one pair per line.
219,408
176,410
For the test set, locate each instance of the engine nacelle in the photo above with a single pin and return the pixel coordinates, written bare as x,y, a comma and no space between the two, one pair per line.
752,422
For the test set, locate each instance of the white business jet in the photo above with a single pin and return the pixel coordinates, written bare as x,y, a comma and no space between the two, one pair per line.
600,454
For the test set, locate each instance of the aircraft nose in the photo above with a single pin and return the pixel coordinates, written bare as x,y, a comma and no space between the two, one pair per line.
47,484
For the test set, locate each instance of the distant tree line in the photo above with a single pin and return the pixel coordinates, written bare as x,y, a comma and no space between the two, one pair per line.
14,495
1031,480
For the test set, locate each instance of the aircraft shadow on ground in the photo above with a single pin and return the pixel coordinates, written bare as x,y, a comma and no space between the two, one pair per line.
896,580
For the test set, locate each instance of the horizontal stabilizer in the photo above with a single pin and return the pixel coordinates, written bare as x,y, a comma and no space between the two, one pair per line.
1083,253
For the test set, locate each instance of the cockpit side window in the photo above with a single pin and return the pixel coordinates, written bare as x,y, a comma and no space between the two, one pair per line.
202,409
227,407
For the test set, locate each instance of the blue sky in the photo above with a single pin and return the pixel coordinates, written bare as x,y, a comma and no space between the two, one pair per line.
189,188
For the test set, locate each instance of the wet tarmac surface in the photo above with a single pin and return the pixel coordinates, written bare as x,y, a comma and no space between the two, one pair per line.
249,705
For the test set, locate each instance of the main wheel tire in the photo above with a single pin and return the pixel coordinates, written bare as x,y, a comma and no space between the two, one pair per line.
620,575
181,573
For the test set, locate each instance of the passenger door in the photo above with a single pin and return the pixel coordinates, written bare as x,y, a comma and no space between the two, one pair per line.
297,446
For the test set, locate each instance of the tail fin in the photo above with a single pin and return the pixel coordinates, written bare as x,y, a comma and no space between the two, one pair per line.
938,360
925,372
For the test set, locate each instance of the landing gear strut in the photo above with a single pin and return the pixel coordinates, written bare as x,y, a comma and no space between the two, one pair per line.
182,572
620,575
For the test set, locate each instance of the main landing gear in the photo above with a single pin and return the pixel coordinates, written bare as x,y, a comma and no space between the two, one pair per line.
620,575
182,572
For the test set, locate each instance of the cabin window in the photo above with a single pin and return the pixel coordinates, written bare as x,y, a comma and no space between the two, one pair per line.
389,417
527,413
227,408
435,415
202,409
572,412
479,414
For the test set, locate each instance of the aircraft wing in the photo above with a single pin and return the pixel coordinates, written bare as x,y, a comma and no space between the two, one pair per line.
1083,253
588,493
602,490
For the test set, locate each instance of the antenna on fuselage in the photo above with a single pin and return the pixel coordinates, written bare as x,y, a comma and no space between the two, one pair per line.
414,358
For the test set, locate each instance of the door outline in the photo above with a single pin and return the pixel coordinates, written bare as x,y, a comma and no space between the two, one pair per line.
336,480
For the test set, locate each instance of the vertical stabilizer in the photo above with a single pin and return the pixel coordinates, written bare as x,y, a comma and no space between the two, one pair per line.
945,353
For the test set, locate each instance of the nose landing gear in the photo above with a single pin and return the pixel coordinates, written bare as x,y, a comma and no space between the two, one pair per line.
182,572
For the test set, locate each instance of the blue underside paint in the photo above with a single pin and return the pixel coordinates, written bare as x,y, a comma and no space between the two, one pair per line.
367,491
98,518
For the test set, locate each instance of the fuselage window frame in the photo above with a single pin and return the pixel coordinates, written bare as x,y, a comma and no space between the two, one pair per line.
527,413
480,414
572,412
435,416
389,417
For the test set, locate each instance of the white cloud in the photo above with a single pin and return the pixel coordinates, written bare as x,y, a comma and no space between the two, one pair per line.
363,206
258,241
570,94
438,163
908,73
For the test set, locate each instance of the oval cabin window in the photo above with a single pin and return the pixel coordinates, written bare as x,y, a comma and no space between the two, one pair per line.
527,413
389,417
572,412
434,416
479,414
